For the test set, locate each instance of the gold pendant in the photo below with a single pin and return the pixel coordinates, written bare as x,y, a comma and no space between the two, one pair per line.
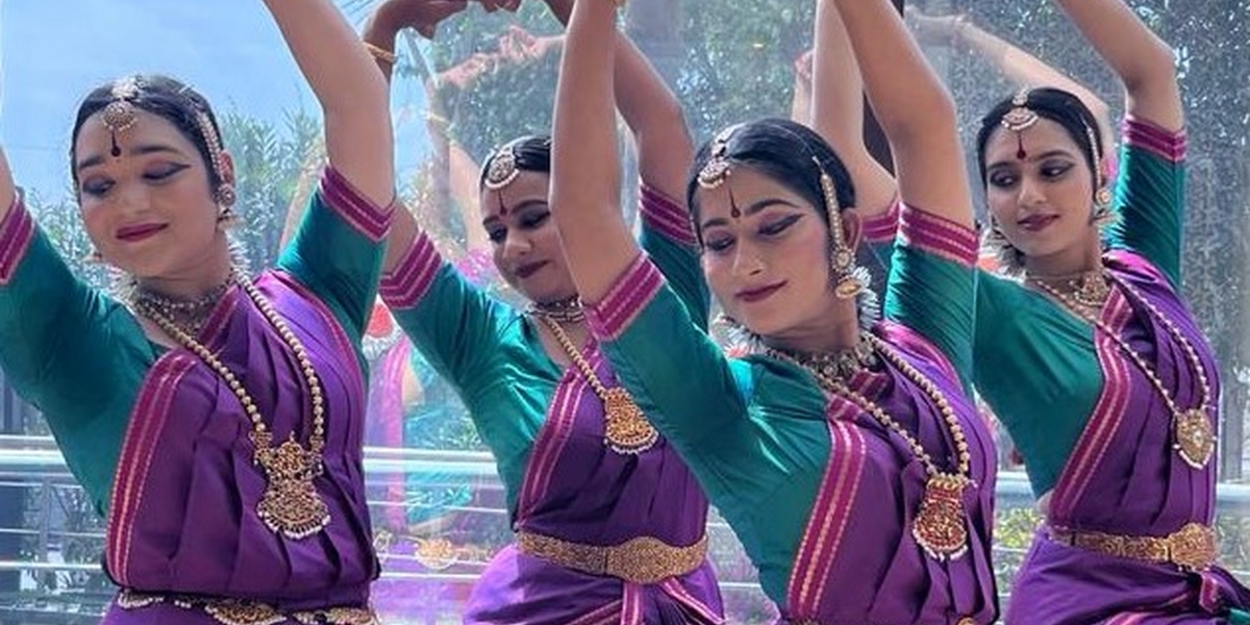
291,505
244,613
625,429
939,527
1195,438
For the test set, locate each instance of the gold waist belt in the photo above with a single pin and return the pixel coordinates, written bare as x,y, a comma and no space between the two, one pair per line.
244,612
1191,547
642,560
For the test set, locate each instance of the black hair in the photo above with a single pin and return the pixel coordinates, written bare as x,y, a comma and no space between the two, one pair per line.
784,151
160,95
1058,106
532,153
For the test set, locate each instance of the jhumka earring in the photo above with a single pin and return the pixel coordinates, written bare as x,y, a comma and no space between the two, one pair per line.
849,279
1103,215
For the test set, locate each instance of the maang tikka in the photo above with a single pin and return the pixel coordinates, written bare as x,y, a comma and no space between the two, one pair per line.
120,115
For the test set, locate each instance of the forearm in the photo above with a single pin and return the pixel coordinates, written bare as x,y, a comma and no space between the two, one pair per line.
838,110
1144,62
352,94
656,119
8,191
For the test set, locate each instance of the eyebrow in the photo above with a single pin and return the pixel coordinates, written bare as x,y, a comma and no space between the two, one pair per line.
138,150
751,209
522,206
1032,159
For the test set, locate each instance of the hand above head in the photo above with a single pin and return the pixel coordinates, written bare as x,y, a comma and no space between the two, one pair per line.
519,45
494,5
422,16
934,29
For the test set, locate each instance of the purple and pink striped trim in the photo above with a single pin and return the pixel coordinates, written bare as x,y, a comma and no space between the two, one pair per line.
1148,136
554,435
664,215
673,588
345,347
404,285
147,421
1103,422
882,228
631,293
609,613
360,212
826,524
936,235
16,232
899,335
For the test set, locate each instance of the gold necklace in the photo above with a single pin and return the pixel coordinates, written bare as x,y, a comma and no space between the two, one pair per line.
1088,288
940,526
290,505
1195,436
192,311
564,311
626,429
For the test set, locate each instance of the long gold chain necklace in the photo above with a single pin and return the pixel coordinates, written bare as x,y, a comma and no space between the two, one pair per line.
626,429
290,505
940,526
1195,436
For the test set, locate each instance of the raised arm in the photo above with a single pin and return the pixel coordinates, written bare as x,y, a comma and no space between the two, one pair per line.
585,174
652,112
1018,66
8,191
1144,62
914,110
838,111
353,97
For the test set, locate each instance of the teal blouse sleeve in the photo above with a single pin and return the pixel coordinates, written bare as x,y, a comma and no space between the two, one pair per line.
668,238
1150,195
337,250
931,288
75,354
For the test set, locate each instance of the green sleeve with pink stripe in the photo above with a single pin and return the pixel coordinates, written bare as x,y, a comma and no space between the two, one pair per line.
668,238
336,252
932,285
75,354
1150,196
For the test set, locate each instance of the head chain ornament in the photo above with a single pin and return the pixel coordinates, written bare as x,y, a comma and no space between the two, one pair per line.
717,168
120,115
224,194
503,166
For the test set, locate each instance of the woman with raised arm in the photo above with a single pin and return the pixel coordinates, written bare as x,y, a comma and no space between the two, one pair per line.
609,523
844,454
1091,357
219,431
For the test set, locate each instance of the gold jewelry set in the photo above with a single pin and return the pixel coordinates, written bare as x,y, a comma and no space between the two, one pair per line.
245,612
641,560
290,505
1191,427
940,525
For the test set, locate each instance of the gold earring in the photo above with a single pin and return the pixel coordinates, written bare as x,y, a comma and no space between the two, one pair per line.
849,280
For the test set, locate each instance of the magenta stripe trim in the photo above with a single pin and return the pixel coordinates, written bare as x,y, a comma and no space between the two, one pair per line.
553,435
598,615
938,236
674,589
409,281
360,212
634,289
1103,422
16,232
147,421
346,347
827,521
1165,144
666,216
882,228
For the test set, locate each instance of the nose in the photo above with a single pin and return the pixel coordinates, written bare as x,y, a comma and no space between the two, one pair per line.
747,261
1031,192
132,198
515,244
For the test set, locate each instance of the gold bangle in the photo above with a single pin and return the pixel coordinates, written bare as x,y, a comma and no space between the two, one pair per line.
386,56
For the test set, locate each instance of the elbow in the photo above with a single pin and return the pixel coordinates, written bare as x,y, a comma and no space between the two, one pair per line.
1157,66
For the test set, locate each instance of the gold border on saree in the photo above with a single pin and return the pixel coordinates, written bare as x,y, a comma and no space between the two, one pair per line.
641,560
1192,547
246,612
